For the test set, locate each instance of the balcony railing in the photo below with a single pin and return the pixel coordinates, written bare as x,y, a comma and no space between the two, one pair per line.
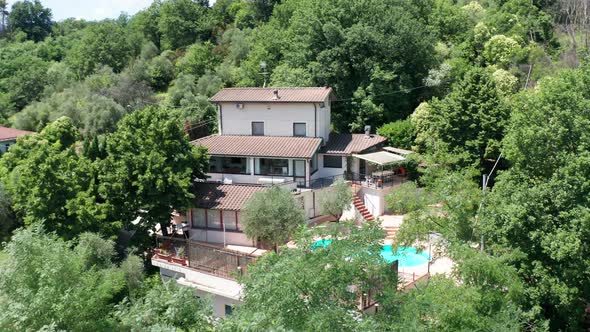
203,257
377,180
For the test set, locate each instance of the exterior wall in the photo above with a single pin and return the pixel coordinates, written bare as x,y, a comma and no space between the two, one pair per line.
278,118
374,200
219,302
327,172
5,145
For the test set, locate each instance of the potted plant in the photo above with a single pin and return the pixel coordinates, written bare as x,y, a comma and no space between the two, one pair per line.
180,257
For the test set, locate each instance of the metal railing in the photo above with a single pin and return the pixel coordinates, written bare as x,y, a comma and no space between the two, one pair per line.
203,257
325,181
376,180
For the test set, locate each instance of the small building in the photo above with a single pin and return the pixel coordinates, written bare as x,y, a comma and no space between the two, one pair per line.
8,137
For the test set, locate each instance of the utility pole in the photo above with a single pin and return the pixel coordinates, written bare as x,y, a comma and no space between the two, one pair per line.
264,73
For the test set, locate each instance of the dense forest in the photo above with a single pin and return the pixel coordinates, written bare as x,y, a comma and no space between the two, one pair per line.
494,87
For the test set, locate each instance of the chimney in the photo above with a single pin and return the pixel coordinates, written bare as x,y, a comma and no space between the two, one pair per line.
275,95
367,131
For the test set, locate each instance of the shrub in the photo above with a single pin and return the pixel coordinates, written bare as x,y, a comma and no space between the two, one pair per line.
405,199
399,133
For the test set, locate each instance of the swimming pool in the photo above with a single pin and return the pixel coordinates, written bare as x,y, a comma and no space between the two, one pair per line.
406,256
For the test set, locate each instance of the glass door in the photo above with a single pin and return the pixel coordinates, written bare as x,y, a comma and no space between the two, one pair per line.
299,172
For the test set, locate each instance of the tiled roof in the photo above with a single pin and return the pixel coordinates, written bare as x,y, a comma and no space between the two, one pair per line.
9,134
223,196
285,95
351,143
260,146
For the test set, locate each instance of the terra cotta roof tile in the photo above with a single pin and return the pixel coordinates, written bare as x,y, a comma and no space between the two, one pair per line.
260,146
285,95
223,196
345,144
8,134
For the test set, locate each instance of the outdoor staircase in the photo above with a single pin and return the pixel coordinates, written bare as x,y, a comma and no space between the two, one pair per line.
391,232
362,209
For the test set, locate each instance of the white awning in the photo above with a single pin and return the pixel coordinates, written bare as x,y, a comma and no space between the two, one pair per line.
399,151
380,157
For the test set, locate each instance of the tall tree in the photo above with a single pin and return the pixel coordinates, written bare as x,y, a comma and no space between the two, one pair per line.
539,208
181,23
31,18
469,122
105,43
66,176
149,169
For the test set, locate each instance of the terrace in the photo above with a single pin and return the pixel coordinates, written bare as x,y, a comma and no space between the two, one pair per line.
227,262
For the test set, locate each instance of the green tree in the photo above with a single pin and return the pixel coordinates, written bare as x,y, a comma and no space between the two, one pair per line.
469,122
46,281
370,52
399,134
8,221
146,22
198,59
31,18
66,177
336,199
23,76
272,216
160,72
406,198
166,307
305,289
149,169
105,43
181,23
539,207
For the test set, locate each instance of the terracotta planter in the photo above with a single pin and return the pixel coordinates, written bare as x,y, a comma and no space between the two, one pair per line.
179,260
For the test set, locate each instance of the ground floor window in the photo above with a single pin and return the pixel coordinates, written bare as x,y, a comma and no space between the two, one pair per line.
273,167
332,161
229,165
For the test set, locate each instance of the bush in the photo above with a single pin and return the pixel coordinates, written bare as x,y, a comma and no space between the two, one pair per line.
406,198
399,134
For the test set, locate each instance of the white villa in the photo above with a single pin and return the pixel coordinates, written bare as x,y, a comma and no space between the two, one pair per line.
271,136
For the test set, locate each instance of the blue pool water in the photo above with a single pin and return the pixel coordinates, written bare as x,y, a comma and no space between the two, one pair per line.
406,256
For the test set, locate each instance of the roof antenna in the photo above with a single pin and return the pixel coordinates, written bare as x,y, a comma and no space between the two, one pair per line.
264,73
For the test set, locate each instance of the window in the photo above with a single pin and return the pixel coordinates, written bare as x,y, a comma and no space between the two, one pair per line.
199,220
213,219
299,129
332,162
257,128
229,165
273,167
228,309
229,220
313,167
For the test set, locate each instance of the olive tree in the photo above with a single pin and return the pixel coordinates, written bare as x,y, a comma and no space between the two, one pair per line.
272,216
335,200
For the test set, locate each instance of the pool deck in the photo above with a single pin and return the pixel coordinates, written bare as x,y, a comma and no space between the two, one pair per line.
438,265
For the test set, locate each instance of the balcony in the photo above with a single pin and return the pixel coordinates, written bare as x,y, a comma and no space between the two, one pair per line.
377,179
208,258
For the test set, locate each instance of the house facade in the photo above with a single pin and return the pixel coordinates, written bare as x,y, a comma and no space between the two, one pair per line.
270,136
8,137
